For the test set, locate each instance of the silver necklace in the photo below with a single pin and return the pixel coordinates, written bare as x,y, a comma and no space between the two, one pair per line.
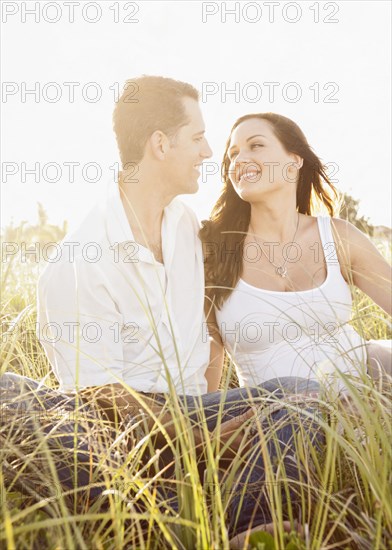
280,270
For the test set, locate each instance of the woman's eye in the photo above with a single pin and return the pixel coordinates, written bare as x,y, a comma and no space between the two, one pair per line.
256,145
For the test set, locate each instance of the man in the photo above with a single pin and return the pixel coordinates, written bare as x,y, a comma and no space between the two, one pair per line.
120,315
133,312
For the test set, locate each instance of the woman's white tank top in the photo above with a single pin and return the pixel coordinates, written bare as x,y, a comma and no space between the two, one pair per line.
271,334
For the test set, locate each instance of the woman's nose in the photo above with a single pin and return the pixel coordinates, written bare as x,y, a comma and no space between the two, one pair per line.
242,157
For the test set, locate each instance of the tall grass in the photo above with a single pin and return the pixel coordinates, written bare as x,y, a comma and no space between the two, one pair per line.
345,491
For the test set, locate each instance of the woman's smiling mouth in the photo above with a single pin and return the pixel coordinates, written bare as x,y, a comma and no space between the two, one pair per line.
249,174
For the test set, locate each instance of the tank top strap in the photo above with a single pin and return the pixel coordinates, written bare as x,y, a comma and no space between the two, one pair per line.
327,241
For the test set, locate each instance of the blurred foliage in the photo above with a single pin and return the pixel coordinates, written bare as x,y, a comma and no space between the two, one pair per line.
41,232
349,211
22,251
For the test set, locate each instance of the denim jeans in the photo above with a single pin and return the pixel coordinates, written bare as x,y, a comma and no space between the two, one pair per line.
31,414
248,504
245,508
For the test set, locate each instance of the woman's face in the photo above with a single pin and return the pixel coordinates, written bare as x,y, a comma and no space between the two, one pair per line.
259,164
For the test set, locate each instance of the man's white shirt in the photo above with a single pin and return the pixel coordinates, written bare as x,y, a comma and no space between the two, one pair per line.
109,312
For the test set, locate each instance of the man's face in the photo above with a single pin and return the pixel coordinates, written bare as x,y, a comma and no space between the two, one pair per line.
189,149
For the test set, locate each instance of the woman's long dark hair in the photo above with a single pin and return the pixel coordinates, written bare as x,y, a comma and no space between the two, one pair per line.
224,233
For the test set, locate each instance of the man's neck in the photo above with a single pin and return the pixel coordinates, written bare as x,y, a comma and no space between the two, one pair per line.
144,200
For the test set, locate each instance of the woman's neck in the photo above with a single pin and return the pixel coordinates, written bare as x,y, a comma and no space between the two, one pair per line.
275,223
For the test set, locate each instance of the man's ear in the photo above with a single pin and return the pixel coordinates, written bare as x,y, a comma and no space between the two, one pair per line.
159,144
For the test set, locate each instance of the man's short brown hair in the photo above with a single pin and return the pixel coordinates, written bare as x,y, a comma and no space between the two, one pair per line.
147,104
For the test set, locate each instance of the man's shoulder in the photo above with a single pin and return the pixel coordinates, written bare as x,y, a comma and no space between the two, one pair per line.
78,250
92,229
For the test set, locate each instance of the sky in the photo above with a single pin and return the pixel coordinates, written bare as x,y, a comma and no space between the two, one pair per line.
329,62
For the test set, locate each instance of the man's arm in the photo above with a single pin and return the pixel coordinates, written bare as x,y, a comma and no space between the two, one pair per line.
118,402
79,325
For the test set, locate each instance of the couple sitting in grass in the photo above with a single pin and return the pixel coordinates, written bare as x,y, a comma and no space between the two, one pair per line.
136,315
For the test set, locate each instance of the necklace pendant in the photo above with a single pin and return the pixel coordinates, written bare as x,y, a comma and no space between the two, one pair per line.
282,271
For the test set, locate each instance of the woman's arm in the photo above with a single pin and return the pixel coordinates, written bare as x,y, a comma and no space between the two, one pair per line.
362,264
215,366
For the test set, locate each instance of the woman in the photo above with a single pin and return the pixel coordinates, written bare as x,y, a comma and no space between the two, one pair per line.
279,278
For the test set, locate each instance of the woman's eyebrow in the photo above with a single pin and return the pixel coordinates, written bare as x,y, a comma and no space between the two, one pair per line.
249,138
256,135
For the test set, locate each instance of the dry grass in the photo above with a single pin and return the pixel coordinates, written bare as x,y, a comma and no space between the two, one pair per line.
345,495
